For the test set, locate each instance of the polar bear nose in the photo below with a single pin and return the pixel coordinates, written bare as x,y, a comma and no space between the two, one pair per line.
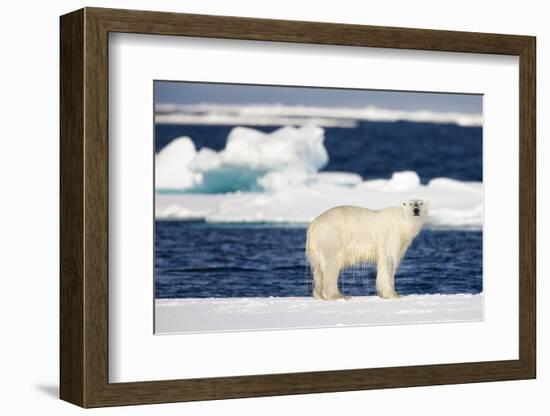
416,211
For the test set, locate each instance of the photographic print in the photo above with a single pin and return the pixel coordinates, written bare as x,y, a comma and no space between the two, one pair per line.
284,207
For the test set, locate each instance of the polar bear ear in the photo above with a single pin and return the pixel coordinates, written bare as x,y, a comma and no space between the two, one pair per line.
427,204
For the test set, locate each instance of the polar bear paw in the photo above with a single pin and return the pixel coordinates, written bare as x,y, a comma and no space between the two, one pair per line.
335,296
317,294
389,295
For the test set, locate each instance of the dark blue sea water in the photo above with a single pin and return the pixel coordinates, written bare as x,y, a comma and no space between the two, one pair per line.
195,259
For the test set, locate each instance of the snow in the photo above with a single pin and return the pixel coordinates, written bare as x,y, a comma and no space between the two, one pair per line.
278,181
399,182
238,314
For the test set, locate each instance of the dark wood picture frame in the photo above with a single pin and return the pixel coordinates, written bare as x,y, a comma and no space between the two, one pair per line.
84,207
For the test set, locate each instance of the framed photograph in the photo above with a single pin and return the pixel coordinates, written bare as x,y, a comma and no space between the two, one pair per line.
256,207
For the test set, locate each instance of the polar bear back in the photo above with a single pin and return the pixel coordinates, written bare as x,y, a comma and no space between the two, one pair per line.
353,234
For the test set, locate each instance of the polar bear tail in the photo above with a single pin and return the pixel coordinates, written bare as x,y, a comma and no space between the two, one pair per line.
309,250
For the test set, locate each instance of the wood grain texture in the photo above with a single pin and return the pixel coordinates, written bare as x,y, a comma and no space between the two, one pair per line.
84,207
227,27
528,208
71,100
96,208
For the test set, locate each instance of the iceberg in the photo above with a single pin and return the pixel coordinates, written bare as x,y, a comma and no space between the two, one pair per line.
172,165
249,155
288,148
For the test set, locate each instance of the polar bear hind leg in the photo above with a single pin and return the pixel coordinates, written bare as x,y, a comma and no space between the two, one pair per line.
325,278
330,282
316,264
325,262
325,281
317,282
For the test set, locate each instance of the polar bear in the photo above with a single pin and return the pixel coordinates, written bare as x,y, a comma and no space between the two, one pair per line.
347,235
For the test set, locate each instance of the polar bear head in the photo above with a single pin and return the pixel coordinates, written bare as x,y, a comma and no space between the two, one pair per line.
416,208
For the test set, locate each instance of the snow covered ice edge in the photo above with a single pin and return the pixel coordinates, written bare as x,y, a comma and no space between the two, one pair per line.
194,315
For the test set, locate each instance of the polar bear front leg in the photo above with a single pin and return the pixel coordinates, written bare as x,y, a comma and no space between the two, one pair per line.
385,272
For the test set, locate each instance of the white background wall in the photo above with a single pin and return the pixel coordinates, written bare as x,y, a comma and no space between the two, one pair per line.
29,206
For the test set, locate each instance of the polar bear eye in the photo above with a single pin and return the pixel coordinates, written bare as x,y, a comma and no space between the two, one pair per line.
421,203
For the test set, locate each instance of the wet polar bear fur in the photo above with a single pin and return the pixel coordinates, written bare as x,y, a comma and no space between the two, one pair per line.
347,235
